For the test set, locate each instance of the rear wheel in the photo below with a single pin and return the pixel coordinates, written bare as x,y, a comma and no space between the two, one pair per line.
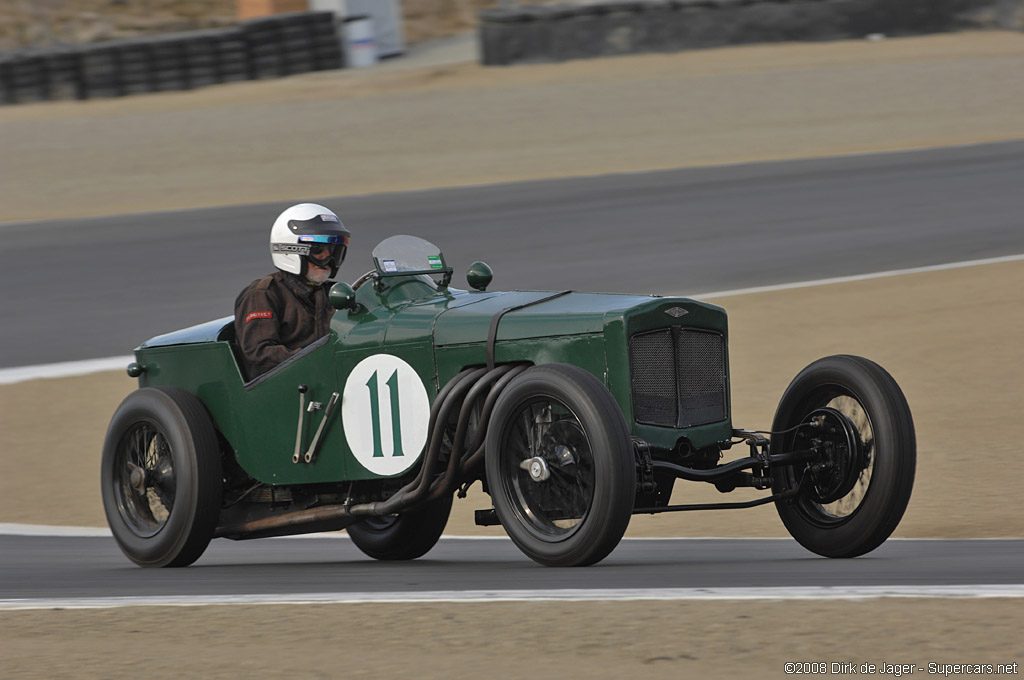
853,494
560,466
161,477
402,537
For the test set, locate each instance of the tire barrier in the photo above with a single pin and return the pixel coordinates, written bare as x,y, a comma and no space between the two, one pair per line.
558,32
267,47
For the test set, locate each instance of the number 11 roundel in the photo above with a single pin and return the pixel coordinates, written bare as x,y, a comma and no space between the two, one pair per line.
385,410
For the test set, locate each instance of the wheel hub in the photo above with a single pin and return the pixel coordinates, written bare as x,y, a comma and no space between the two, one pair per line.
137,478
841,455
537,467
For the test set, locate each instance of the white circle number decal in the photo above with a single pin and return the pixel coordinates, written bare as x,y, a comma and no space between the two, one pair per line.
385,410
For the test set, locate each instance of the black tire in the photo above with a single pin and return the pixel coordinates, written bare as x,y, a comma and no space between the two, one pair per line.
402,537
564,491
853,503
166,515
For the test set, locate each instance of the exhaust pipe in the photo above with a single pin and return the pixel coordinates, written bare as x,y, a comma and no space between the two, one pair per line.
313,520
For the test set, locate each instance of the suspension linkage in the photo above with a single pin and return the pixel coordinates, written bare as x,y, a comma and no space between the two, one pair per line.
762,460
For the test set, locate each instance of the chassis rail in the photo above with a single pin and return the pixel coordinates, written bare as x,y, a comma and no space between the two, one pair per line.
717,506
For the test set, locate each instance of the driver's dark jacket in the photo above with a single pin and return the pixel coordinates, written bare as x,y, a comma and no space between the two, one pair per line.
277,316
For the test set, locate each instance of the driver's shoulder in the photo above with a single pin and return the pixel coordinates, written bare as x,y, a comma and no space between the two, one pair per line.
266,282
260,288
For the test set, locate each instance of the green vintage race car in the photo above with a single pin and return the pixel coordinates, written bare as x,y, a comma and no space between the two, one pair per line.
575,411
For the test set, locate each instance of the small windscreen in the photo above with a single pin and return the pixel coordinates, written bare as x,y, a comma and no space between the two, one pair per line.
408,255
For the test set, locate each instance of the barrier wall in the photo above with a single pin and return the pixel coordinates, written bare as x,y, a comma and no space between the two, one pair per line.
557,32
268,47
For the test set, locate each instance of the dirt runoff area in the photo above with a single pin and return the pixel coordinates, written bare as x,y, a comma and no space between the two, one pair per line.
948,337
539,640
391,128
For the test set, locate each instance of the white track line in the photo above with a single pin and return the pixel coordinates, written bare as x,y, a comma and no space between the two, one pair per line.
73,368
8,529
860,277
64,369
490,596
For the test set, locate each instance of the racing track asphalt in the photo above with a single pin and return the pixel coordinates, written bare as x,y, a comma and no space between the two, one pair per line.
89,288
33,567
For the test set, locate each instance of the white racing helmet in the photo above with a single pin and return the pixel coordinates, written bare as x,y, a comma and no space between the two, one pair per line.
307,232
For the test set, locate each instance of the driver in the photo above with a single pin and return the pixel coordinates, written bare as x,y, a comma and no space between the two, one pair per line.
278,315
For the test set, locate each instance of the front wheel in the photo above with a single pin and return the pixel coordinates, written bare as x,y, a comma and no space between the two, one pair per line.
560,466
161,477
850,497
402,537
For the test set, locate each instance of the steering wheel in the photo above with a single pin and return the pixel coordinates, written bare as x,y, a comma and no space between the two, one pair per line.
372,274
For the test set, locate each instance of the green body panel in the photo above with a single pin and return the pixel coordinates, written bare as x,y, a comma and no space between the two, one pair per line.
438,333
570,314
259,423
585,351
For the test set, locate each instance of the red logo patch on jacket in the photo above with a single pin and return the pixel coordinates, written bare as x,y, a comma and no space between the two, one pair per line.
258,315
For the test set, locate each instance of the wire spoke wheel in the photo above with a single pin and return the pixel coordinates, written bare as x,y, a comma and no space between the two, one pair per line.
161,477
851,496
560,466
549,468
144,478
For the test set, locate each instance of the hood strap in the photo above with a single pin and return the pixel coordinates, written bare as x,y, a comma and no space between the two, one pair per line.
492,334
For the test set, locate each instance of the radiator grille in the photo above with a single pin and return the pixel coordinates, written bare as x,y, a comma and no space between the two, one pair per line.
678,377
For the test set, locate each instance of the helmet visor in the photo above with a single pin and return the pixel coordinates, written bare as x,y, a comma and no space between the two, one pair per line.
324,238
325,250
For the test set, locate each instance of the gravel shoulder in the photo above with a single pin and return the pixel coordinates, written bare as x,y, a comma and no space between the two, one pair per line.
361,131
540,640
